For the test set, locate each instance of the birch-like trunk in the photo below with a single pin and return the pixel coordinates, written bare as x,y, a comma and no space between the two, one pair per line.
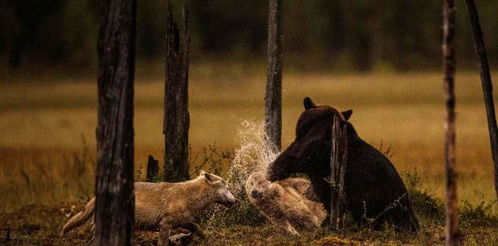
452,230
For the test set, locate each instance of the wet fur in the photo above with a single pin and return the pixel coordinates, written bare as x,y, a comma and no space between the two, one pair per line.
285,202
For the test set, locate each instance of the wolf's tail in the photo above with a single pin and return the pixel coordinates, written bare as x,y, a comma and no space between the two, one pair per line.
79,218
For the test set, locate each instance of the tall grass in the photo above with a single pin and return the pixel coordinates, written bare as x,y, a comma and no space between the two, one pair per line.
32,178
48,188
41,125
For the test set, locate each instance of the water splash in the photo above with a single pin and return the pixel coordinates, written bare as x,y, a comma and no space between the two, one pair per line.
254,154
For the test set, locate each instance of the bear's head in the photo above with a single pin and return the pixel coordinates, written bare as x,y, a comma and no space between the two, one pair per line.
311,148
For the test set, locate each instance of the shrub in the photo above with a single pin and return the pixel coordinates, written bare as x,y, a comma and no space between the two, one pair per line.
479,214
423,202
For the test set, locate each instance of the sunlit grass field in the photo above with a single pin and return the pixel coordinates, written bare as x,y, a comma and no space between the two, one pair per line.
47,138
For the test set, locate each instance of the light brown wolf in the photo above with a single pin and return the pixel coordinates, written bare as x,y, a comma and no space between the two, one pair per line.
285,202
168,205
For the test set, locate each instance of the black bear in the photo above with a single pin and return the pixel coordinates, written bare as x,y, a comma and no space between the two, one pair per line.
373,187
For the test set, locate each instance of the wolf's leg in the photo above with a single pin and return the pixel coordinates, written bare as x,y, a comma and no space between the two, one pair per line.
90,242
92,229
193,227
164,228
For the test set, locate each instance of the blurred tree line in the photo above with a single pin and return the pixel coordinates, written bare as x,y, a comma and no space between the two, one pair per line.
347,35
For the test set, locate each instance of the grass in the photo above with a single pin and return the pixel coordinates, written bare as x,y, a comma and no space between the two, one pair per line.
47,148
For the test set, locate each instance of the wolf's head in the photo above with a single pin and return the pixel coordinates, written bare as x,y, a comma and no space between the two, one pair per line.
221,193
257,185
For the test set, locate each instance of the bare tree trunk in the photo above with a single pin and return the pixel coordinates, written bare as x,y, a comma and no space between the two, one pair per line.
452,230
487,85
152,170
273,98
176,116
114,209
338,164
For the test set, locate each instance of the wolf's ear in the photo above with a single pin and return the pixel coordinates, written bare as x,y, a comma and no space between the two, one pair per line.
347,114
209,177
202,172
308,104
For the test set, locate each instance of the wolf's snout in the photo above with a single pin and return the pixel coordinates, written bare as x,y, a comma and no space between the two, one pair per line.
228,199
255,194
228,203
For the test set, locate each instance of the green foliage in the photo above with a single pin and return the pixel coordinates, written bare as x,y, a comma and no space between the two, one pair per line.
428,207
423,202
80,36
360,35
241,213
480,213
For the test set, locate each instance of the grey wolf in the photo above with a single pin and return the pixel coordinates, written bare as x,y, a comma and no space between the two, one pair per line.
168,205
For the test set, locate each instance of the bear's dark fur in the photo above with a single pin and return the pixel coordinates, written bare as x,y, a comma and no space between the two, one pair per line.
373,187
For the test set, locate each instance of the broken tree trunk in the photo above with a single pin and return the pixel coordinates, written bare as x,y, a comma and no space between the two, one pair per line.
152,170
273,97
452,230
176,116
114,209
338,162
487,85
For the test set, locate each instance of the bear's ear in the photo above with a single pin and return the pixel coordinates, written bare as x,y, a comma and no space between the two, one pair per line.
347,114
308,104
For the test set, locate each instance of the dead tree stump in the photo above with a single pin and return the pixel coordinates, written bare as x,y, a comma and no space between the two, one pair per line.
338,164
176,115
115,201
152,170
273,97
